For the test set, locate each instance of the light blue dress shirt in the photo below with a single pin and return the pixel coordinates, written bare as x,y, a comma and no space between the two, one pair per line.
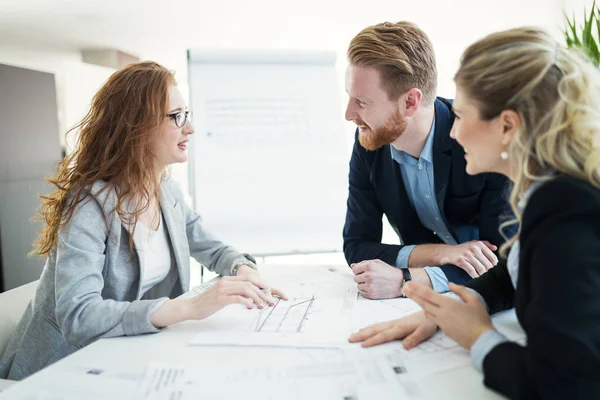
419,183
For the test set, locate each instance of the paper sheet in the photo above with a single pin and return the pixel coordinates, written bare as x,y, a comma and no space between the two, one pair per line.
369,312
373,378
299,322
75,382
324,312
318,313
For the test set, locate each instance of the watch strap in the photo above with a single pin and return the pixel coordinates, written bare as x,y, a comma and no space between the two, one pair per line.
239,262
406,277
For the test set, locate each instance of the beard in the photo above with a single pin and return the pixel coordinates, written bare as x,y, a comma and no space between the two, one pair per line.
373,139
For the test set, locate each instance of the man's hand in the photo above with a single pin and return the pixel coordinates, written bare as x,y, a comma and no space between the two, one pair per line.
475,257
377,280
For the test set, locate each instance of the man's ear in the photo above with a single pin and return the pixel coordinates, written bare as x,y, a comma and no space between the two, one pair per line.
410,101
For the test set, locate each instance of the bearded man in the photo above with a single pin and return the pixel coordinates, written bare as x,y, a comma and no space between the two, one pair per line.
405,166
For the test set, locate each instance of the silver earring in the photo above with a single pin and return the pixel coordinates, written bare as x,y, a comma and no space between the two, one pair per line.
504,155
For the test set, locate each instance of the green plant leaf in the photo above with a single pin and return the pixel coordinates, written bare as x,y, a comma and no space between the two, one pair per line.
573,31
582,36
597,19
568,40
586,32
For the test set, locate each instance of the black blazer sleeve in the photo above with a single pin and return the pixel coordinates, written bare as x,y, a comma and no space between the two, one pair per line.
496,288
558,299
495,285
363,227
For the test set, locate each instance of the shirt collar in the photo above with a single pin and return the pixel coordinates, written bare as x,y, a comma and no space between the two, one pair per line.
426,154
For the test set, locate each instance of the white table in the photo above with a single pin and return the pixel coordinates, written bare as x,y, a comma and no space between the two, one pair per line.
130,356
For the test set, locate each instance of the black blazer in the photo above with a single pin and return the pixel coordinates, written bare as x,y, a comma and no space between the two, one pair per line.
471,206
557,298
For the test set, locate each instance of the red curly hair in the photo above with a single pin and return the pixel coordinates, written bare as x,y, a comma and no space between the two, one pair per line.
114,146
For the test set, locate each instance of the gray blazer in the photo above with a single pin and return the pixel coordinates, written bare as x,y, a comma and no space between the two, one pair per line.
90,285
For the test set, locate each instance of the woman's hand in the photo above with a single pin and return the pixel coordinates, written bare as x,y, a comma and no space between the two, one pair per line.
241,289
251,273
413,328
463,321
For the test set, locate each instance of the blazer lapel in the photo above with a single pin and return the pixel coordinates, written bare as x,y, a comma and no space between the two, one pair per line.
442,152
402,215
108,197
176,228
407,216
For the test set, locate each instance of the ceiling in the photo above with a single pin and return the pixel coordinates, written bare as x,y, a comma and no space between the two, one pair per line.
143,25
146,26
163,30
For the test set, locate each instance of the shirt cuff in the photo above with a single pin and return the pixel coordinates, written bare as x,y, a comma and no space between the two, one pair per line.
403,254
483,345
438,279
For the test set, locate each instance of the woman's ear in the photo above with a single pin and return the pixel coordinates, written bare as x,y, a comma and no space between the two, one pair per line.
510,122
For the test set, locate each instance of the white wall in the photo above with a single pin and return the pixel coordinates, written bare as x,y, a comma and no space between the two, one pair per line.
313,25
273,24
76,84
306,25
78,88
309,25
577,6
330,25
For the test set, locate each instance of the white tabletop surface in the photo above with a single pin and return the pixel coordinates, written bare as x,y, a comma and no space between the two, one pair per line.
130,356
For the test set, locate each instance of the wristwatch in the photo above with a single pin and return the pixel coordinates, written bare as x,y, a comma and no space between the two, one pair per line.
406,277
242,261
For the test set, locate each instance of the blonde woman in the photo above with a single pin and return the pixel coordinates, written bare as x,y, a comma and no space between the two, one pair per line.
529,109
118,236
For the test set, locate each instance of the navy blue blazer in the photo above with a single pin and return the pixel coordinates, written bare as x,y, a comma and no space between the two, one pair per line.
472,206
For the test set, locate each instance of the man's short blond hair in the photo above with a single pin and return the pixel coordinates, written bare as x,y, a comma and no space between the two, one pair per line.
402,53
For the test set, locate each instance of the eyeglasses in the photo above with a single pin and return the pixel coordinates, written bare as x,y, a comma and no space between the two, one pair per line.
180,118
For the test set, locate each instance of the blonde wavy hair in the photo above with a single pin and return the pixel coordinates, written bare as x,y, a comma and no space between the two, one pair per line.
115,146
556,93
